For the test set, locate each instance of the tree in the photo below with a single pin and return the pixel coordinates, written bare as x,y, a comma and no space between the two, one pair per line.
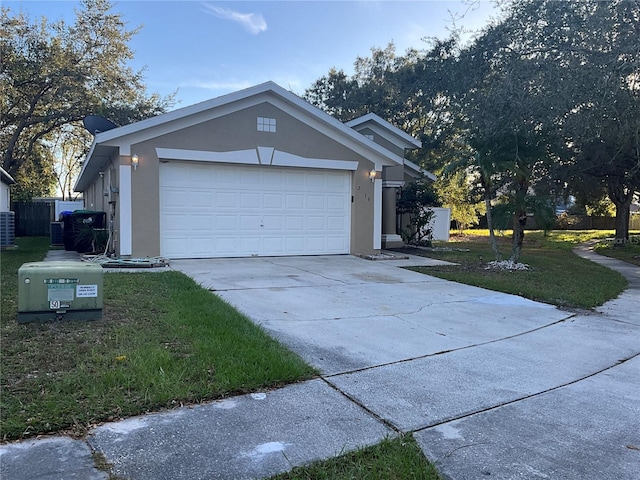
68,152
415,200
455,191
589,58
52,75
506,123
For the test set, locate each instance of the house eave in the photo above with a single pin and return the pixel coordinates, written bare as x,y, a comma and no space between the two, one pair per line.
119,140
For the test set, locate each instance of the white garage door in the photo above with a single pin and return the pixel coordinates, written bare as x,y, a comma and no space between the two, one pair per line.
216,210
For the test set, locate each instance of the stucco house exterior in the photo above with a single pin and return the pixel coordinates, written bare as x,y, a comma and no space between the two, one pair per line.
258,172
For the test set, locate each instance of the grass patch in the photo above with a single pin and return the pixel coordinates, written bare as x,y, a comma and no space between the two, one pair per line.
557,276
163,341
395,459
629,253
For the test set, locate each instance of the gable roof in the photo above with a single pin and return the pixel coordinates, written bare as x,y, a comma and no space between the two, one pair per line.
119,140
394,135
385,129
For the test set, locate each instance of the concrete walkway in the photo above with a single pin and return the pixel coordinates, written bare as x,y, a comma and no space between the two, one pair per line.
491,385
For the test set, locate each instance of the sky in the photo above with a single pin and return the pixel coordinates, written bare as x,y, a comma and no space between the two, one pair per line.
203,49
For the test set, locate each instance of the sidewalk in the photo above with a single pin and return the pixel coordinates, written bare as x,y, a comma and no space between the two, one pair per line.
558,400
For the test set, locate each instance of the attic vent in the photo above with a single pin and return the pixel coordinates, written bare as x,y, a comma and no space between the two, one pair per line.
266,124
369,136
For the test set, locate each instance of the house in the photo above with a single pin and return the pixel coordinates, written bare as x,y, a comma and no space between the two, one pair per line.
7,217
5,191
258,172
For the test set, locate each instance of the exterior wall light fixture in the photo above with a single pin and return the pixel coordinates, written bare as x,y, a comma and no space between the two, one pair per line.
134,162
372,175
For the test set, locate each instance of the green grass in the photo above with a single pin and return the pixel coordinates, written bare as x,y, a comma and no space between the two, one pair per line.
629,253
163,341
396,459
557,276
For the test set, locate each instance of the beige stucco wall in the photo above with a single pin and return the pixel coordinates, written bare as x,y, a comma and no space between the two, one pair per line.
383,142
237,131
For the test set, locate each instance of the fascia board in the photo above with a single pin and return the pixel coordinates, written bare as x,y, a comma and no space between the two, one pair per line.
6,178
92,165
84,168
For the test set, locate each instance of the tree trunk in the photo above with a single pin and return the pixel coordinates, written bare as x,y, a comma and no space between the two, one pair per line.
621,198
487,204
492,236
519,221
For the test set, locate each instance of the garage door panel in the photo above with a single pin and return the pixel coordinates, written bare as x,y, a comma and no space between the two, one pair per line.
231,210
294,201
201,222
274,246
272,200
336,244
316,202
250,200
295,223
316,223
226,223
273,222
249,245
249,223
175,198
225,200
225,246
337,202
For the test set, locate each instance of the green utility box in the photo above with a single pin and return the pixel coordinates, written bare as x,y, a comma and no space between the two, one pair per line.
59,291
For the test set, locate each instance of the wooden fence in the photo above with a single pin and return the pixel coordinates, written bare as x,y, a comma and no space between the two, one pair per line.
32,218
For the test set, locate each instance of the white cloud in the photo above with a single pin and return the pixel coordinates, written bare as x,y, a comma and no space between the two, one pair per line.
254,23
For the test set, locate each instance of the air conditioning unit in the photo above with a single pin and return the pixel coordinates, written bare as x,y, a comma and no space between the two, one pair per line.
59,291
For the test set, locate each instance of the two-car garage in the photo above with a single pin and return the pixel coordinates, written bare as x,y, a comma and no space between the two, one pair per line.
258,172
221,210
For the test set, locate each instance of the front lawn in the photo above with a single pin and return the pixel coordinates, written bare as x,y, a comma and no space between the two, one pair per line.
629,253
164,341
556,275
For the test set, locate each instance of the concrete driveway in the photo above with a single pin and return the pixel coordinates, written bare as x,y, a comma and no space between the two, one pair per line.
490,384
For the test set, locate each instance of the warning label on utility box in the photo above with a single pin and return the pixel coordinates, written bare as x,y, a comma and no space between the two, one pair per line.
86,291
60,292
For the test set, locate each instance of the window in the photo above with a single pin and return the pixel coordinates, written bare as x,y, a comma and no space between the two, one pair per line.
266,124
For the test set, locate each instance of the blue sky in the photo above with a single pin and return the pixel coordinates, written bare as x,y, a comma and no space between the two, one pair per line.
203,49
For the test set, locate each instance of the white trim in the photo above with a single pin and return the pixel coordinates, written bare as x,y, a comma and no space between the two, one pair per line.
261,155
247,157
265,155
126,219
393,183
377,214
284,159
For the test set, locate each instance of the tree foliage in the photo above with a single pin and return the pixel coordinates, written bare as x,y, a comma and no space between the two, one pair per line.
544,103
54,74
